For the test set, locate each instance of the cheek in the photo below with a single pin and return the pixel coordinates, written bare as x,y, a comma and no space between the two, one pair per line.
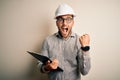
71,25
58,25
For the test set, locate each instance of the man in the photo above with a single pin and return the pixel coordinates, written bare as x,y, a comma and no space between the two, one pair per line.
66,49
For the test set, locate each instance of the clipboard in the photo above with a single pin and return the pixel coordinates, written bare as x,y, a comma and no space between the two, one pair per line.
42,58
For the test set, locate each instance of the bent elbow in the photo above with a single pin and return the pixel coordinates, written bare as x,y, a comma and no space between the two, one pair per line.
84,73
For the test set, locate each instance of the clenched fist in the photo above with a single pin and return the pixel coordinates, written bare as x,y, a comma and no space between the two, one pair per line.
84,40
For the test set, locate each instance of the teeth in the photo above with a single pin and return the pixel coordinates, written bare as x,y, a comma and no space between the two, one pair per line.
66,29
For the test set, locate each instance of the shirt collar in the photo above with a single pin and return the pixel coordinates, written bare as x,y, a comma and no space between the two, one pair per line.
59,36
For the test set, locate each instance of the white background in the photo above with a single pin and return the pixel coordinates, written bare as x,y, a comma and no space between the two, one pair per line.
24,24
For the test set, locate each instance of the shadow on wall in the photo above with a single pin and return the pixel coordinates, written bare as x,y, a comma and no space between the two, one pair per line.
34,72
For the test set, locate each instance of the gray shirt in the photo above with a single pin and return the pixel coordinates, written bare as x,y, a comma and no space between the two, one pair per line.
72,59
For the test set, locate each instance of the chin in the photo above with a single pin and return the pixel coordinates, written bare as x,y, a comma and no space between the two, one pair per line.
65,36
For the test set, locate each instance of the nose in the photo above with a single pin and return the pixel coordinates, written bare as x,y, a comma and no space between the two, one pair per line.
64,22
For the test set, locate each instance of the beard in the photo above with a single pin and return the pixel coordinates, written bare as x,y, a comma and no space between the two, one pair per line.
65,32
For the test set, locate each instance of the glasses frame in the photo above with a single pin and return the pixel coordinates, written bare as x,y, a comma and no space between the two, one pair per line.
62,20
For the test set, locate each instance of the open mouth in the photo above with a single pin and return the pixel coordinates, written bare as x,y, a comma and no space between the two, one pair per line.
65,29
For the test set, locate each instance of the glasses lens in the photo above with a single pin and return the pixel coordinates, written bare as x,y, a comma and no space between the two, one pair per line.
60,20
68,20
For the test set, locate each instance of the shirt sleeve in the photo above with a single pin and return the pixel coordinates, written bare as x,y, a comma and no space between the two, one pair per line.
84,62
42,67
44,51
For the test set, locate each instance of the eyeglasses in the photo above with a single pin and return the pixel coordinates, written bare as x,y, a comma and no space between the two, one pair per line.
61,20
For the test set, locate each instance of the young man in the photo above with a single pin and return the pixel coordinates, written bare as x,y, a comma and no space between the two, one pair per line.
66,49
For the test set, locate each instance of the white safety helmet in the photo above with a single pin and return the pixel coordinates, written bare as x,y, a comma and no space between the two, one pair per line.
64,9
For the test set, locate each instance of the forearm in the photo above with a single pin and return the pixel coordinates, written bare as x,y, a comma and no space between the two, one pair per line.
85,63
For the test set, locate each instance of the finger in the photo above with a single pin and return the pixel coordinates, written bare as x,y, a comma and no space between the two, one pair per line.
81,37
55,62
87,35
48,62
84,34
51,66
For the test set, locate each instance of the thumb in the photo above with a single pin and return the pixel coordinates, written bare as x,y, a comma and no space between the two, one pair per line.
48,62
